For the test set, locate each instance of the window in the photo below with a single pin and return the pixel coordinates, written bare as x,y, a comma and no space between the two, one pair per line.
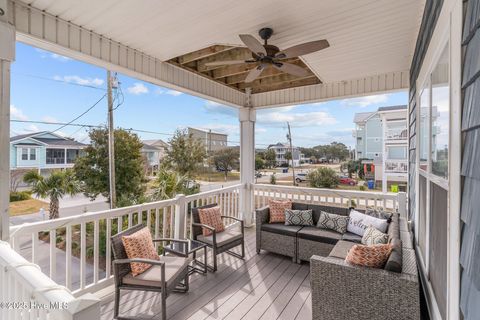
55,156
72,154
33,154
397,153
440,116
24,153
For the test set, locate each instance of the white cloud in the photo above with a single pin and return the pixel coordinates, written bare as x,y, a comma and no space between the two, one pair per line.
307,119
31,128
159,91
229,129
49,119
137,89
79,80
363,102
174,93
217,108
47,54
17,114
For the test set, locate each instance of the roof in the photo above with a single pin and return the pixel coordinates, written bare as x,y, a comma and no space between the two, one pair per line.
57,141
156,143
362,116
208,131
392,108
151,147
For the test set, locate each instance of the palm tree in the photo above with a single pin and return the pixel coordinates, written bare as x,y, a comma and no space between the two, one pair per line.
169,183
55,186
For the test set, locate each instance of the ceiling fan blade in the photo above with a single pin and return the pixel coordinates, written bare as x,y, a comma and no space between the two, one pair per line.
303,49
291,69
254,73
224,63
253,44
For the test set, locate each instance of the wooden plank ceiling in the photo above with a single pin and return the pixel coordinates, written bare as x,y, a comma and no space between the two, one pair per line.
234,75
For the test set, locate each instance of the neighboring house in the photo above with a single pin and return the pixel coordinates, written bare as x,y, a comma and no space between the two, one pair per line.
213,141
382,139
154,152
43,151
281,149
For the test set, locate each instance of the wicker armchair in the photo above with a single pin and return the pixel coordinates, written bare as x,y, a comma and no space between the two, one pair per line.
168,274
218,242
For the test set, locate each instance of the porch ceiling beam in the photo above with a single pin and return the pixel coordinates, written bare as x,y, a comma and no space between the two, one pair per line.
279,79
43,30
375,84
238,54
285,84
265,74
203,53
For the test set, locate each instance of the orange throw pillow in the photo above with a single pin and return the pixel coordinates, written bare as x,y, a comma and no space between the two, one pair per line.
277,209
211,217
140,245
374,256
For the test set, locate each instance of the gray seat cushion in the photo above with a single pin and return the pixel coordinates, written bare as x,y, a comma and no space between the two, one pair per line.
395,260
152,276
352,237
280,228
321,235
222,238
341,249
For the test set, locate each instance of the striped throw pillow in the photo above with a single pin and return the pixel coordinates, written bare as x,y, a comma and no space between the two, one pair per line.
374,256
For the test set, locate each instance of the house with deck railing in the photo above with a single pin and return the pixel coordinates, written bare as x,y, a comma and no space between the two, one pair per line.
288,53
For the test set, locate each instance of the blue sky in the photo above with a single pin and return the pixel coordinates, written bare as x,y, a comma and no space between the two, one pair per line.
44,88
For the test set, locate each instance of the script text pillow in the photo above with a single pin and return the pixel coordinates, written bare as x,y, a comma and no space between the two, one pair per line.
333,222
277,209
373,236
374,256
211,217
359,222
298,217
139,245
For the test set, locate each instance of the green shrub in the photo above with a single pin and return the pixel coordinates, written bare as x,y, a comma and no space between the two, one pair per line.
323,178
362,188
273,179
20,195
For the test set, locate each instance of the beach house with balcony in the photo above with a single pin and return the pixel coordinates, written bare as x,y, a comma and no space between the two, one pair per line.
381,139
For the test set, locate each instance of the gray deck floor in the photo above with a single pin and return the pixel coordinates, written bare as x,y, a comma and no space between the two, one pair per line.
264,286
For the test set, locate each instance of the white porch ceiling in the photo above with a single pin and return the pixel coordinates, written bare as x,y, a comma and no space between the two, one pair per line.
367,37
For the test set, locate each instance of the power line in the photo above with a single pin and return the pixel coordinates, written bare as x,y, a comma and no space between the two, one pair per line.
81,115
60,81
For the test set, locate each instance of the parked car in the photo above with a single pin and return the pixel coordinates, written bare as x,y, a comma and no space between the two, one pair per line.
300,177
347,181
258,174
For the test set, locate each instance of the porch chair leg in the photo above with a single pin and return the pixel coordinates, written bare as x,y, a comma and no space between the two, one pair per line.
243,250
116,306
164,305
214,259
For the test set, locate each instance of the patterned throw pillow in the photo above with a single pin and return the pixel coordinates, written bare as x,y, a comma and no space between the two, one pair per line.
277,209
333,222
379,213
298,217
374,256
359,222
373,236
211,217
140,245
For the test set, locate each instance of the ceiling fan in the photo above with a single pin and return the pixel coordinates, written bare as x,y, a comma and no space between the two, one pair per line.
269,55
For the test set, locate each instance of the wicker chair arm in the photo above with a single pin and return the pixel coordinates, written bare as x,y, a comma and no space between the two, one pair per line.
169,240
206,226
139,260
233,218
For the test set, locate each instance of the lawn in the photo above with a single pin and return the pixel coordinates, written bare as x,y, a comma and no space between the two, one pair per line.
18,208
218,176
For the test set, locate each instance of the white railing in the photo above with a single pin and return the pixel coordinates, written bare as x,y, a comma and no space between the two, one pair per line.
330,197
397,133
396,166
27,293
79,257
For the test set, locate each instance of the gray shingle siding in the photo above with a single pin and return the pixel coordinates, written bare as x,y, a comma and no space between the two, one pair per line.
470,245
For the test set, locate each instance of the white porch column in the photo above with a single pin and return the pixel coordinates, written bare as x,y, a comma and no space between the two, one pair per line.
7,55
247,118
384,154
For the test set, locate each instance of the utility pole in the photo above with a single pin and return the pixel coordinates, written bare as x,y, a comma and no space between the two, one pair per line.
111,143
289,137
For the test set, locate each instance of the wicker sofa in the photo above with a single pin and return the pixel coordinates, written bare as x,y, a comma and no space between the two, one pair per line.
298,242
367,293
340,290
